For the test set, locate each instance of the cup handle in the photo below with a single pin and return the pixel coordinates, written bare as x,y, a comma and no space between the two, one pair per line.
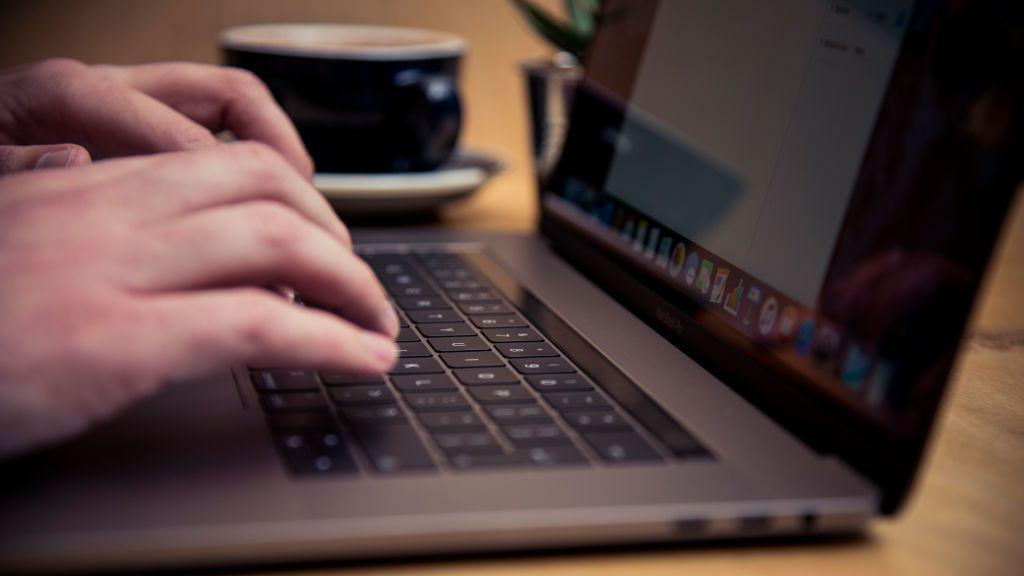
433,107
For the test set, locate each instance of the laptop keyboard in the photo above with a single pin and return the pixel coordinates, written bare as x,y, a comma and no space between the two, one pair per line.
476,386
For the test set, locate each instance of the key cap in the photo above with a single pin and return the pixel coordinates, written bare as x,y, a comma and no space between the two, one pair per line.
542,366
519,414
512,394
302,421
597,422
458,344
461,284
485,308
498,321
471,359
293,402
555,455
282,380
527,435
468,442
437,401
416,366
412,350
412,291
474,376
559,382
406,279
337,461
473,296
622,447
422,303
361,395
526,350
575,401
423,382
395,449
473,461
337,379
512,335
452,329
452,273
446,421
433,316
379,415
407,335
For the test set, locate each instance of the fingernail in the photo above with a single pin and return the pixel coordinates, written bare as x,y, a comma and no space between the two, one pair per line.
55,159
381,347
389,320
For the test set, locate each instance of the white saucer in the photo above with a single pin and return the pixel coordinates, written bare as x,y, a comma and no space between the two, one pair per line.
399,194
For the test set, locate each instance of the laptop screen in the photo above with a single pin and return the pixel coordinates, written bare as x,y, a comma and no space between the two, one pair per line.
816,183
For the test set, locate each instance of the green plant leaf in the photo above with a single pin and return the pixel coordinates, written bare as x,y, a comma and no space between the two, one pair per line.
562,36
582,14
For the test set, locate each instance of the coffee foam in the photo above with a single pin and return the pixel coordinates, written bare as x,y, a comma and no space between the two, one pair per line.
343,41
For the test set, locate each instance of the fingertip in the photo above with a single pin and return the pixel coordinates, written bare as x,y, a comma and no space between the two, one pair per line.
381,349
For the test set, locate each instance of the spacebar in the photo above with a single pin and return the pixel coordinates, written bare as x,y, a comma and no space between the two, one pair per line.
394,449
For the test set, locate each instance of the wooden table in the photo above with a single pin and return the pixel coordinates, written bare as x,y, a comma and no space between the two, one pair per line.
967,516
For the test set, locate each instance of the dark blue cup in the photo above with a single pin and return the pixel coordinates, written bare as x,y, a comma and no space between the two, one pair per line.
364,98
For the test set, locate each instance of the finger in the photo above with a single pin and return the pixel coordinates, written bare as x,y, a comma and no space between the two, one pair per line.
220,98
265,243
210,330
20,158
105,116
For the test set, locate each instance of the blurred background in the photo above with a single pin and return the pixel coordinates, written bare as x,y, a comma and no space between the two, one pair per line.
136,31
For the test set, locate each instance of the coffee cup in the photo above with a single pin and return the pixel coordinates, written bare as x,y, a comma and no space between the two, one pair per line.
363,98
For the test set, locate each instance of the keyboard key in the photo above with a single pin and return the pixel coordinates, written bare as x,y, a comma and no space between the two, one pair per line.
471,359
412,350
379,415
452,329
302,421
407,335
423,382
498,321
473,461
559,383
577,401
474,376
395,449
512,335
437,401
411,291
452,273
485,308
337,379
513,394
597,421
622,447
320,462
416,366
284,380
436,421
433,316
468,443
526,435
555,455
422,303
542,366
361,395
461,284
473,295
526,350
519,414
458,344
293,402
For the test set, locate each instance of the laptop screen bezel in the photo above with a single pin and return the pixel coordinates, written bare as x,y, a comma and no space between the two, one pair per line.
826,428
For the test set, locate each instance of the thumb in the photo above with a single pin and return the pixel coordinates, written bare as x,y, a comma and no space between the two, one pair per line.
19,158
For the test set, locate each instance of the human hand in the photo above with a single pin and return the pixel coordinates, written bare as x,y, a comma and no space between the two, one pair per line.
111,111
126,274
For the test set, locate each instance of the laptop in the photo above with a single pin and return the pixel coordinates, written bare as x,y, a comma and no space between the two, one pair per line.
756,257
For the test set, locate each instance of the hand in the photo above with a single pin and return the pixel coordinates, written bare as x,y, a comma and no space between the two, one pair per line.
123,275
111,111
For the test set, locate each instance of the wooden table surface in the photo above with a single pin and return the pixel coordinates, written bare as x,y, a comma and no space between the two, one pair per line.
967,515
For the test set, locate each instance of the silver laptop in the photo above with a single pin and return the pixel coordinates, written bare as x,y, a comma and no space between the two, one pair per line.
756,257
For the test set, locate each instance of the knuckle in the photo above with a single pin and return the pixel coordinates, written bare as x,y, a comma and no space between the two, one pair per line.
257,326
255,156
241,81
59,68
277,227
